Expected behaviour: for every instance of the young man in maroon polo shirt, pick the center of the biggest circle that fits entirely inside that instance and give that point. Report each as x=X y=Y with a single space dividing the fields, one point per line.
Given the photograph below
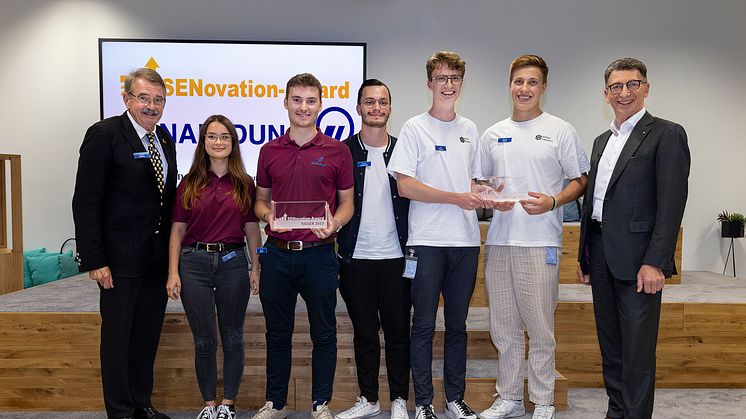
x=302 y=165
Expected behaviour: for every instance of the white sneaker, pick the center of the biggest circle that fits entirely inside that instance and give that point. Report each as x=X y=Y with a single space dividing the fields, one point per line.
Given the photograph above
x=361 y=409
x=425 y=411
x=543 y=412
x=502 y=409
x=458 y=409
x=399 y=409
x=207 y=413
x=322 y=412
x=268 y=412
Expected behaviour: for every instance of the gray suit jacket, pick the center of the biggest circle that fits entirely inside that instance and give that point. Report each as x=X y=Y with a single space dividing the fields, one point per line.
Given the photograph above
x=644 y=201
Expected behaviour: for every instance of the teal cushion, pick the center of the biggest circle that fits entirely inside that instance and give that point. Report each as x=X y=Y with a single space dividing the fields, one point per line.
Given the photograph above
x=45 y=267
x=26 y=271
x=68 y=266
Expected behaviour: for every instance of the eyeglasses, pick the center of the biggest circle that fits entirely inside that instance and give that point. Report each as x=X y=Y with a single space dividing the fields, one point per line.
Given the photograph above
x=145 y=99
x=442 y=80
x=632 y=85
x=370 y=102
x=212 y=138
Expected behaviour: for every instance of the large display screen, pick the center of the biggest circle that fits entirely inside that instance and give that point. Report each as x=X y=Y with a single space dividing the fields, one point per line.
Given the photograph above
x=244 y=81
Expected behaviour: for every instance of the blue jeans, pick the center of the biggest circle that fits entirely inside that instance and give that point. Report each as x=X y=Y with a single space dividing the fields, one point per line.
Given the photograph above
x=209 y=284
x=451 y=271
x=312 y=273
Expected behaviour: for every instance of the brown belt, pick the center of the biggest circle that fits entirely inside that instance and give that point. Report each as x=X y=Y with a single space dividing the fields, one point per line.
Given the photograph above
x=297 y=244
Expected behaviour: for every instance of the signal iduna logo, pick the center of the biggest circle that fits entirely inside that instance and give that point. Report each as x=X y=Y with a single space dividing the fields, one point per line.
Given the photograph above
x=336 y=122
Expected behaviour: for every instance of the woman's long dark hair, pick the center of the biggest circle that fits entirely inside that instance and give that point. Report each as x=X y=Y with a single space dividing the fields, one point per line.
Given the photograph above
x=196 y=179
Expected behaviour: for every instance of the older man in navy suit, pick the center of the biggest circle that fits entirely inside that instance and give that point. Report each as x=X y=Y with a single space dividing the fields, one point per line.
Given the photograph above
x=634 y=204
x=124 y=193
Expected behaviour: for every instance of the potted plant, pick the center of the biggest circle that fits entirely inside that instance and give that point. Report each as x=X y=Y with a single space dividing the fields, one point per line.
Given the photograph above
x=731 y=224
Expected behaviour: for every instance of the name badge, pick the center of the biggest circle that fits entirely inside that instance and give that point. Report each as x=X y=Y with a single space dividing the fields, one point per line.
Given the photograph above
x=229 y=256
x=260 y=250
x=363 y=164
x=440 y=148
x=551 y=255
x=141 y=155
x=504 y=139
x=410 y=265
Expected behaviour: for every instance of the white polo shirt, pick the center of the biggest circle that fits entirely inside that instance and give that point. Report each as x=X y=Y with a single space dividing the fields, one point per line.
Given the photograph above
x=445 y=156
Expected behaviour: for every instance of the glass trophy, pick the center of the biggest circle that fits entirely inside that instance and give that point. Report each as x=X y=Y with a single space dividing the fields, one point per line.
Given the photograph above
x=299 y=214
x=505 y=189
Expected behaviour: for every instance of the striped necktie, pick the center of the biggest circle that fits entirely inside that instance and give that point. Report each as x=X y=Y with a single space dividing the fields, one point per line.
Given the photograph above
x=155 y=160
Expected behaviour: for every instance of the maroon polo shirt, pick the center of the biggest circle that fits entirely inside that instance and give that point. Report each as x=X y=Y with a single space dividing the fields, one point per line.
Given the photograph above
x=313 y=172
x=214 y=218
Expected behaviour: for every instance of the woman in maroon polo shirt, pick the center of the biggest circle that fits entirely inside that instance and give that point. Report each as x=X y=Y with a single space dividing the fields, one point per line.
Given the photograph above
x=208 y=260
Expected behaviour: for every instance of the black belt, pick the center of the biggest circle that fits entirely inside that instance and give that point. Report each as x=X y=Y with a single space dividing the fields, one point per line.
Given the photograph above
x=297 y=244
x=596 y=226
x=217 y=247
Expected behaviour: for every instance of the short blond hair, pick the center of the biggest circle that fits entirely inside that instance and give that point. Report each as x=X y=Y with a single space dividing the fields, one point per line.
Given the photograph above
x=445 y=58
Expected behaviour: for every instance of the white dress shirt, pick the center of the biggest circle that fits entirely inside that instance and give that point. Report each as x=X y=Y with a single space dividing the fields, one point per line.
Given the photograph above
x=610 y=155
x=143 y=134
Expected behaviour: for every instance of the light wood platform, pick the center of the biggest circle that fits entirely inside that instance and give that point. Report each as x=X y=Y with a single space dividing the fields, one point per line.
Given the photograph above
x=52 y=358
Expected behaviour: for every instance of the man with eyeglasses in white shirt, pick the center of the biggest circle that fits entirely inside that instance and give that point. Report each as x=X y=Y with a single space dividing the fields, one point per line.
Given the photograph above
x=633 y=207
x=435 y=164
x=371 y=255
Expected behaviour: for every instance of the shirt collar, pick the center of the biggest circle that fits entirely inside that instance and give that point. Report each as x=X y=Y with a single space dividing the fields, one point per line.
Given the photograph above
x=627 y=125
x=318 y=139
x=141 y=132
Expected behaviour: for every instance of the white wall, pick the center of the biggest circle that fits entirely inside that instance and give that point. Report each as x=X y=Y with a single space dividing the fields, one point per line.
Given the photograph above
x=694 y=51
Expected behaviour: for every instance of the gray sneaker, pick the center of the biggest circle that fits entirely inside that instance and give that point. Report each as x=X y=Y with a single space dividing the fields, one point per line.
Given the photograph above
x=458 y=409
x=322 y=412
x=269 y=412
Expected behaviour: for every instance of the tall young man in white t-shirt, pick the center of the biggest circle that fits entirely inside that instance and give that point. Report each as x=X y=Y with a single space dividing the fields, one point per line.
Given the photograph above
x=435 y=164
x=371 y=255
x=523 y=243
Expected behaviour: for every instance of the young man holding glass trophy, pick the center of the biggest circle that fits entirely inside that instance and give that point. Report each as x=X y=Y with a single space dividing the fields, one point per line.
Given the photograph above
x=526 y=157
x=305 y=195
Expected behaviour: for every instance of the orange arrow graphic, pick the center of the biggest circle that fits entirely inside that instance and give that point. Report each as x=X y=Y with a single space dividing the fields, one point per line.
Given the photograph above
x=152 y=64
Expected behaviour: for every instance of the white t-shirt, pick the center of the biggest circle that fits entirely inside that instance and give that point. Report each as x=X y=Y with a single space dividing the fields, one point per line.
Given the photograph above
x=445 y=156
x=544 y=150
x=377 y=237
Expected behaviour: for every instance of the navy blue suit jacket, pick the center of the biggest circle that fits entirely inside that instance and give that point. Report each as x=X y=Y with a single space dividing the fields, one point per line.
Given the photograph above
x=117 y=208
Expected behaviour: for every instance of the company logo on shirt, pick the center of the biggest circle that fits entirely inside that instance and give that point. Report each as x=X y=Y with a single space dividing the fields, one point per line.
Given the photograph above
x=540 y=137
x=319 y=162
x=464 y=139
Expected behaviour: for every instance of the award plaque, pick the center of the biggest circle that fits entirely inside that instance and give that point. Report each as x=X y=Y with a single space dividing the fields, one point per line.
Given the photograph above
x=505 y=189
x=299 y=214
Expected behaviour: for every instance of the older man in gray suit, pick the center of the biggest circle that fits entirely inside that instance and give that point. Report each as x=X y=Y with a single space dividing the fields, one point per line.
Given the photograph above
x=634 y=204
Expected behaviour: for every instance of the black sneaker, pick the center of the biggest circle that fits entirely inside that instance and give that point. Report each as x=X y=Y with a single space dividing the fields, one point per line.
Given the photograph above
x=425 y=411
x=458 y=409
x=226 y=411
